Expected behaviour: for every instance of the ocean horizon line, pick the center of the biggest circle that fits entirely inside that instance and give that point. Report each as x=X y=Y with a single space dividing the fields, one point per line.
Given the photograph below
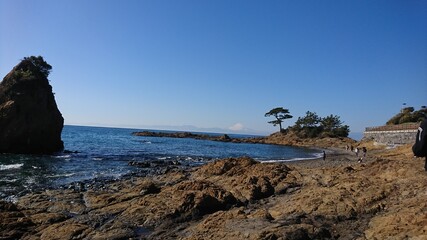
x=167 y=129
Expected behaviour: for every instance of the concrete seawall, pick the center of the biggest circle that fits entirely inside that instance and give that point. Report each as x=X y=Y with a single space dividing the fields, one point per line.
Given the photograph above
x=396 y=134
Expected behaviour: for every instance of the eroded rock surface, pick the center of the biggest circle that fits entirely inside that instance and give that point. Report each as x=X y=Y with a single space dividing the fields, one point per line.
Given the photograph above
x=237 y=198
x=30 y=121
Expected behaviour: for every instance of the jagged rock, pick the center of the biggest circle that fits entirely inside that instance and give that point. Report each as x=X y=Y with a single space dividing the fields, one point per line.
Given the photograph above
x=246 y=178
x=202 y=197
x=231 y=199
x=148 y=187
x=13 y=223
x=30 y=121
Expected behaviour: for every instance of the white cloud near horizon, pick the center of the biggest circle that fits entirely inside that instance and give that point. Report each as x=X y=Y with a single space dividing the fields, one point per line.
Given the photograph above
x=236 y=127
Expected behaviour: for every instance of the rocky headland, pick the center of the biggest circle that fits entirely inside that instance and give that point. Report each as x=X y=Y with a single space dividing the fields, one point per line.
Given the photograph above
x=199 y=136
x=287 y=139
x=384 y=197
x=30 y=121
x=222 y=138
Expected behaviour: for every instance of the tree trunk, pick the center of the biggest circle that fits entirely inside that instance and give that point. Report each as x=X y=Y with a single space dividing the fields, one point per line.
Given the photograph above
x=280 y=125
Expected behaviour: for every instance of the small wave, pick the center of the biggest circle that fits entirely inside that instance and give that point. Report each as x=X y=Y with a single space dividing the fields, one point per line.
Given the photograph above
x=11 y=166
x=63 y=156
x=61 y=175
x=97 y=158
x=11 y=198
x=315 y=156
x=29 y=180
x=9 y=180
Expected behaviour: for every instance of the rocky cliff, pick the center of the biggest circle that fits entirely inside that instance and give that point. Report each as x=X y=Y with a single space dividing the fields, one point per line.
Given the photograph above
x=30 y=121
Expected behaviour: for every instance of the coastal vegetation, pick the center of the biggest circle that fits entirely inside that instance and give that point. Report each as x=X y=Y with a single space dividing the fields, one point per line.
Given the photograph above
x=311 y=125
x=408 y=115
x=280 y=114
x=33 y=67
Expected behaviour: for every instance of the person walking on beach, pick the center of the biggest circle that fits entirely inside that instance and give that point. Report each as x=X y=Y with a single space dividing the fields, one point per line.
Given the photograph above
x=324 y=155
x=363 y=155
x=364 y=150
x=420 y=147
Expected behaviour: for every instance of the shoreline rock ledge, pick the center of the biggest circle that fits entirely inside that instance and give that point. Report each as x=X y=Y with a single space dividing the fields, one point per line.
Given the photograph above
x=30 y=121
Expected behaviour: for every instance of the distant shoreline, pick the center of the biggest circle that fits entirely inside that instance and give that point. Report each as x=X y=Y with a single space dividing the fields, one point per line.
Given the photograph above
x=210 y=137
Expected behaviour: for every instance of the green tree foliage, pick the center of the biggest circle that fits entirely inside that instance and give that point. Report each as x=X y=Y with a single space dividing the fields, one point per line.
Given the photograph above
x=331 y=122
x=40 y=64
x=408 y=115
x=311 y=125
x=333 y=127
x=310 y=120
x=33 y=67
x=308 y=126
x=280 y=114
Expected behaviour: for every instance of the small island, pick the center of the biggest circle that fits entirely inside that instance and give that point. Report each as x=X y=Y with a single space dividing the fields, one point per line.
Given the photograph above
x=221 y=138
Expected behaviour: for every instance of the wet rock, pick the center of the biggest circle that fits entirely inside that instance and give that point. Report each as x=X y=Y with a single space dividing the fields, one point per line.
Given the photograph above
x=140 y=164
x=222 y=138
x=154 y=164
x=68 y=151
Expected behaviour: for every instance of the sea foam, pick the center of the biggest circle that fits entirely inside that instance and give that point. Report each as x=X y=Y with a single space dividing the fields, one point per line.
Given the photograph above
x=10 y=166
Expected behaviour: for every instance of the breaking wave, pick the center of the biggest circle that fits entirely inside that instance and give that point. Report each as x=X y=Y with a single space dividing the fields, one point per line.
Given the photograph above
x=10 y=166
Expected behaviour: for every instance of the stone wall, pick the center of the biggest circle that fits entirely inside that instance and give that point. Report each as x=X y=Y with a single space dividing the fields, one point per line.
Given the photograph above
x=396 y=134
x=392 y=137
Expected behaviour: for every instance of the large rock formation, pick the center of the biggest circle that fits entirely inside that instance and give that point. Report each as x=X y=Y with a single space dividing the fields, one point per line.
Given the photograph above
x=30 y=121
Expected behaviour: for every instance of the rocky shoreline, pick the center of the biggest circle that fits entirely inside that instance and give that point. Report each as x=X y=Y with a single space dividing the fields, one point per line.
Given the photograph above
x=238 y=198
x=220 y=138
x=287 y=139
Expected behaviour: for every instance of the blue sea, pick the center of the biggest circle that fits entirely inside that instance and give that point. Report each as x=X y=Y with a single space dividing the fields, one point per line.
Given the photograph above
x=98 y=152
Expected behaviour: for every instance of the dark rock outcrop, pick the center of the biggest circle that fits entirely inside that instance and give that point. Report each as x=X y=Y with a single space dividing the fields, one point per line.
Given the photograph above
x=221 y=138
x=30 y=121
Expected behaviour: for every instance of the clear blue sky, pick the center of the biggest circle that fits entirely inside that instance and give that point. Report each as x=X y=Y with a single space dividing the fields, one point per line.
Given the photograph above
x=218 y=64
